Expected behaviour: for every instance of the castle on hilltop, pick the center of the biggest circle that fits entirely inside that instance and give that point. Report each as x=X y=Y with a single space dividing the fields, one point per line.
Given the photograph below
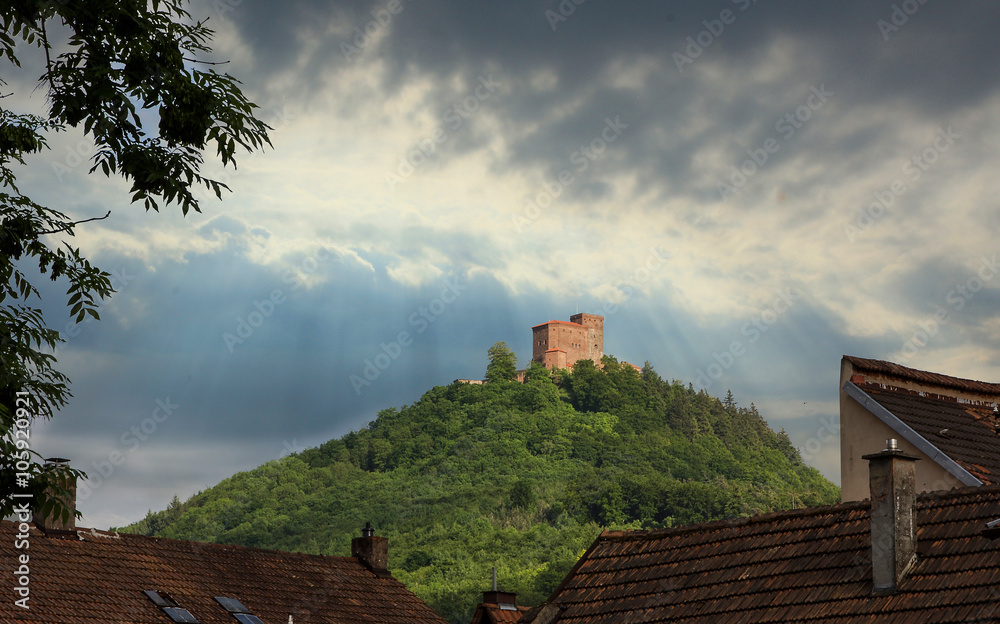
x=559 y=344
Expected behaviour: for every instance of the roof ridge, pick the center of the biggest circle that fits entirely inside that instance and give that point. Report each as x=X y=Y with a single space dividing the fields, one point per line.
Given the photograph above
x=88 y=532
x=928 y=377
x=733 y=522
x=924 y=500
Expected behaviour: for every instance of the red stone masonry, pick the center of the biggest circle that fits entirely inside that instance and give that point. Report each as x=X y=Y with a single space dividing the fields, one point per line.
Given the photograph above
x=560 y=344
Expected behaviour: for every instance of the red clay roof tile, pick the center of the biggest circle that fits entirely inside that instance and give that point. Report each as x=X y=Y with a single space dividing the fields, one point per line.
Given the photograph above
x=810 y=565
x=99 y=578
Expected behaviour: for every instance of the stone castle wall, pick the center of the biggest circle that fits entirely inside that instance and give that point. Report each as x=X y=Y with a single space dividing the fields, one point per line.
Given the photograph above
x=559 y=344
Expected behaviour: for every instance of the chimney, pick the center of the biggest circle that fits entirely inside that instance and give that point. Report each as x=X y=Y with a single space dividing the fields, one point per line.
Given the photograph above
x=372 y=551
x=892 y=479
x=63 y=488
x=506 y=601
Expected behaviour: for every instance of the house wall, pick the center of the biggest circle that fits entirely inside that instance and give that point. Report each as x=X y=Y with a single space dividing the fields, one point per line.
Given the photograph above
x=862 y=433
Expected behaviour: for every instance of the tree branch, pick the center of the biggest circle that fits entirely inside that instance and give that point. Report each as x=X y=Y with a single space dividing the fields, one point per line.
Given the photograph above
x=191 y=60
x=48 y=59
x=71 y=224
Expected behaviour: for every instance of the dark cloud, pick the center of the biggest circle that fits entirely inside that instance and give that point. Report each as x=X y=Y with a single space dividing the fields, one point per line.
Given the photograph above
x=288 y=377
x=931 y=66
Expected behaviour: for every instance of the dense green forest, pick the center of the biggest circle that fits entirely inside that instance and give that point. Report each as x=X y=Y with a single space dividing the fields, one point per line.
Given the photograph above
x=521 y=476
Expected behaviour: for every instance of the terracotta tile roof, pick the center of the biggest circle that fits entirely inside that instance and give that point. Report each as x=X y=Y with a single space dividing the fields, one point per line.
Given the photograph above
x=864 y=365
x=99 y=579
x=810 y=565
x=965 y=432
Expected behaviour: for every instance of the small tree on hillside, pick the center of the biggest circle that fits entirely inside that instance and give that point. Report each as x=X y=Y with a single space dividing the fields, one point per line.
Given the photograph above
x=536 y=371
x=730 y=401
x=503 y=363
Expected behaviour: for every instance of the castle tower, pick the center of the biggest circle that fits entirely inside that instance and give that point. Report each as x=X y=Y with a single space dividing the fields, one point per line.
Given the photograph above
x=559 y=344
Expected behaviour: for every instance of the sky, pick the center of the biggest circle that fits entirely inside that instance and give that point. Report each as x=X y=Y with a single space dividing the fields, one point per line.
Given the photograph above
x=745 y=190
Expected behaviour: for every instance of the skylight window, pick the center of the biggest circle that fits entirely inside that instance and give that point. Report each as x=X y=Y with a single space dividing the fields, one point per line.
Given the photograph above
x=240 y=612
x=231 y=604
x=169 y=606
x=160 y=599
x=180 y=615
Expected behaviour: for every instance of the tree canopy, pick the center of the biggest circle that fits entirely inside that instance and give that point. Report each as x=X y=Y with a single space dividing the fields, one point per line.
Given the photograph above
x=521 y=476
x=115 y=58
x=503 y=363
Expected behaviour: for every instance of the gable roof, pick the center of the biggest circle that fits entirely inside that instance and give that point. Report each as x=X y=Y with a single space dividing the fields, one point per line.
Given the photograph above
x=966 y=433
x=99 y=577
x=809 y=565
x=900 y=372
x=953 y=417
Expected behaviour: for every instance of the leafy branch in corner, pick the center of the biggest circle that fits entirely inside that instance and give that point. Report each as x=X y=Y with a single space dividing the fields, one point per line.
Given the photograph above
x=118 y=57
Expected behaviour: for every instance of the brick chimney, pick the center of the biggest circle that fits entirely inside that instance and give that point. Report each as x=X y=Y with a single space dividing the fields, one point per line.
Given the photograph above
x=372 y=551
x=506 y=601
x=892 y=479
x=49 y=523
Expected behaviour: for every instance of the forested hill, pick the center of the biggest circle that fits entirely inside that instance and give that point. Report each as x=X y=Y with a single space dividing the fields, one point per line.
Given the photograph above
x=518 y=476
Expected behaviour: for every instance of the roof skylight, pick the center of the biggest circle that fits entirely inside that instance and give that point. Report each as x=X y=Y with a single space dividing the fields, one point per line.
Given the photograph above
x=169 y=606
x=239 y=611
